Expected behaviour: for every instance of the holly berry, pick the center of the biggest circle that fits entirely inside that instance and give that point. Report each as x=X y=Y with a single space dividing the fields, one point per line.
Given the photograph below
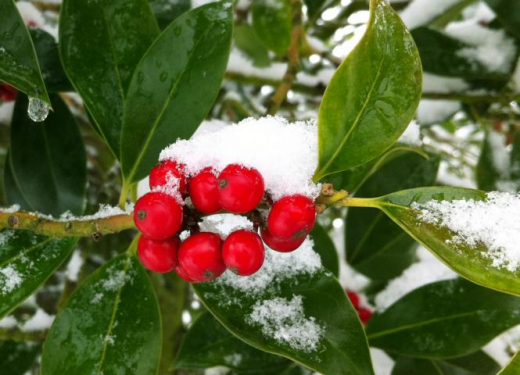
x=364 y=314
x=291 y=217
x=158 y=215
x=243 y=252
x=7 y=93
x=204 y=192
x=201 y=257
x=162 y=172
x=240 y=188
x=158 y=256
x=354 y=298
x=278 y=244
x=183 y=274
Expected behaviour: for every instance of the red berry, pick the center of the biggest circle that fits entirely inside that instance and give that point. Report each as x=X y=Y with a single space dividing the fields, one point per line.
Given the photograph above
x=240 y=188
x=280 y=245
x=158 y=256
x=162 y=172
x=364 y=315
x=204 y=192
x=158 y=215
x=201 y=257
x=183 y=274
x=7 y=93
x=354 y=298
x=292 y=217
x=243 y=252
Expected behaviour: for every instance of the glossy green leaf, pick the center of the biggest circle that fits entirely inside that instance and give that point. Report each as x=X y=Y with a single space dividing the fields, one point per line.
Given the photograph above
x=48 y=159
x=175 y=85
x=372 y=97
x=317 y=303
x=508 y=13
x=477 y=363
x=272 y=22
x=101 y=43
x=209 y=344
x=375 y=245
x=248 y=42
x=50 y=64
x=26 y=262
x=513 y=367
x=469 y=262
x=313 y=6
x=325 y=247
x=110 y=325
x=166 y=11
x=18 y=62
x=13 y=193
x=17 y=358
x=450 y=318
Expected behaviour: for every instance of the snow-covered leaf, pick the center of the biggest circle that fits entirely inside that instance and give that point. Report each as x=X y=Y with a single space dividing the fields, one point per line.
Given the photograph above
x=372 y=97
x=272 y=22
x=26 y=262
x=18 y=62
x=48 y=160
x=101 y=43
x=110 y=325
x=209 y=344
x=446 y=319
x=325 y=247
x=473 y=261
x=376 y=246
x=295 y=308
x=175 y=85
x=508 y=13
x=17 y=358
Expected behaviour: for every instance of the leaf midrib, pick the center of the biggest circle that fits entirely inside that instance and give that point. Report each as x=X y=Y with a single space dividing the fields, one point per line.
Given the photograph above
x=25 y=252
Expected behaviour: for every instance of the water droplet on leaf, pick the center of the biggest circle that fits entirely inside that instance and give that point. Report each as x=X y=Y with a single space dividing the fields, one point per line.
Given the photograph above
x=37 y=110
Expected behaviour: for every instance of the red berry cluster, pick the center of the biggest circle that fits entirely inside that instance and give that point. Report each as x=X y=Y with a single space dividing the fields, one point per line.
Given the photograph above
x=364 y=313
x=7 y=93
x=203 y=256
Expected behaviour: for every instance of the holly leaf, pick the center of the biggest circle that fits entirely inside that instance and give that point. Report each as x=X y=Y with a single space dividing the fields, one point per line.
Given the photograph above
x=209 y=344
x=372 y=97
x=513 y=367
x=101 y=43
x=18 y=62
x=110 y=325
x=325 y=247
x=248 y=42
x=508 y=13
x=26 y=262
x=166 y=11
x=17 y=358
x=446 y=319
x=165 y=101
x=292 y=307
x=48 y=160
x=272 y=22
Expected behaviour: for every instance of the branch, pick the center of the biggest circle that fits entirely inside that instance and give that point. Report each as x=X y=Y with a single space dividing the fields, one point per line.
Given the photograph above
x=73 y=228
x=293 y=55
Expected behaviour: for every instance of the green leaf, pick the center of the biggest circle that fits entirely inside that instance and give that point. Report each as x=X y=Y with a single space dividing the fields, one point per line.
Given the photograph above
x=17 y=358
x=450 y=318
x=469 y=262
x=372 y=97
x=325 y=247
x=26 y=262
x=13 y=192
x=320 y=328
x=48 y=159
x=101 y=43
x=272 y=22
x=478 y=363
x=313 y=6
x=508 y=13
x=375 y=245
x=166 y=11
x=248 y=42
x=175 y=85
x=513 y=367
x=18 y=63
x=50 y=63
x=110 y=325
x=208 y=344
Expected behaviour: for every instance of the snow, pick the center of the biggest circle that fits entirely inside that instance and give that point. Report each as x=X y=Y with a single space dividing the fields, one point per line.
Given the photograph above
x=6 y=236
x=74 y=266
x=30 y=14
x=233 y=360
x=10 y=210
x=40 y=321
x=116 y=281
x=285 y=321
x=443 y=85
x=382 y=363
x=493 y=223
x=287 y=164
x=224 y=224
x=422 y=12
x=9 y=322
x=10 y=278
x=427 y=270
x=104 y=211
x=435 y=111
x=6 y=111
x=412 y=135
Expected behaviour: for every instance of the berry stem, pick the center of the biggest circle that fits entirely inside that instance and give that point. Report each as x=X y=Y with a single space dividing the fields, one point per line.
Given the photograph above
x=57 y=228
x=125 y=189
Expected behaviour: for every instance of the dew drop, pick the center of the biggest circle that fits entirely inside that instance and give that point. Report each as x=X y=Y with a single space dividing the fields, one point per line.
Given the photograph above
x=37 y=110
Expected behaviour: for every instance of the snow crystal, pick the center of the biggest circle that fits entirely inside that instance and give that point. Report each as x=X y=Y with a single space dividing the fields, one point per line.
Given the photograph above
x=104 y=211
x=233 y=360
x=6 y=236
x=412 y=135
x=116 y=281
x=9 y=279
x=277 y=267
x=74 y=266
x=435 y=111
x=40 y=321
x=286 y=323
x=224 y=224
x=284 y=153
x=421 y=12
x=10 y=210
x=493 y=223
